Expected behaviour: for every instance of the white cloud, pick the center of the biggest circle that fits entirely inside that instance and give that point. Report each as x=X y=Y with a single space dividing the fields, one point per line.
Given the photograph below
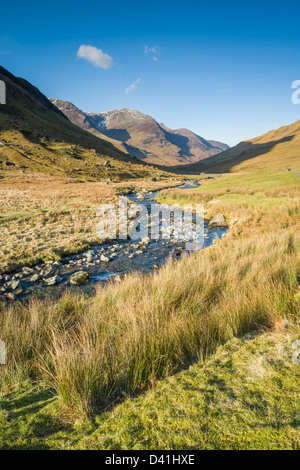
x=133 y=86
x=151 y=49
x=95 y=56
x=155 y=59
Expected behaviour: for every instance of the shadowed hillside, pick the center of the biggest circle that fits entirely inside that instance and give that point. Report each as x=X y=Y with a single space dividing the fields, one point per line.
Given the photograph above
x=272 y=151
x=192 y=144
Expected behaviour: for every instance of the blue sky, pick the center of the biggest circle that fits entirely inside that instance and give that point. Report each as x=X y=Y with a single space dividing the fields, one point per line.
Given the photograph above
x=221 y=69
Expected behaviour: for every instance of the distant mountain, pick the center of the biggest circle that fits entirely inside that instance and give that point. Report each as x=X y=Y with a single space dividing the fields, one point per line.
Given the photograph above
x=36 y=137
x=276 y=150
x=219 y=145
x=193 y=144
x=141 y=136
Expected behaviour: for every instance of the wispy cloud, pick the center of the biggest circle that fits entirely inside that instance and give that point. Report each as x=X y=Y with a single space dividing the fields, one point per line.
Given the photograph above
x=95 y=56
x=133 y=86
x=152 y=50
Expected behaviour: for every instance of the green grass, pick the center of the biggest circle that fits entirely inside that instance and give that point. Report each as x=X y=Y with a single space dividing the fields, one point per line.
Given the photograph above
x=245 y=396
x=250 y=183
x=257 y=181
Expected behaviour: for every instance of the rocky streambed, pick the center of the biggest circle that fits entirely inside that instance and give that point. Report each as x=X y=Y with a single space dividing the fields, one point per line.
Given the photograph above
x=100 y=264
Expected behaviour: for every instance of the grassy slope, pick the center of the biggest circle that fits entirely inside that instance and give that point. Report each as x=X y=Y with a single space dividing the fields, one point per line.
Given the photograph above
x=269 y=152
x=244 y=397
x=244 y=198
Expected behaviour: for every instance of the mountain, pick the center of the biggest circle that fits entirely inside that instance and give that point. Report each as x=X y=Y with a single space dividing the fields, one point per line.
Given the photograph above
x=277 y=149
x=193 y=144
x=80 y=119
x=219 y=145
x=141 y=136
x=36 y=137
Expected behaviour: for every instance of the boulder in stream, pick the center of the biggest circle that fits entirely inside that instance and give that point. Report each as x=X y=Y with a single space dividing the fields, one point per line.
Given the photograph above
x=35 y=278
x=48 y=271
x=218 y=221
x=14 y=284
x=52 y=281
x=78 y=278
x=27 y=270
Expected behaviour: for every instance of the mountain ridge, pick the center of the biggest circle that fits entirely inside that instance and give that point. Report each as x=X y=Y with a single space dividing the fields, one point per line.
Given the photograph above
x=142 y=136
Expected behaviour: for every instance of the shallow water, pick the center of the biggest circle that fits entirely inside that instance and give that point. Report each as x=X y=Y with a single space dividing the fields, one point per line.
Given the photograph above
x=125 y=256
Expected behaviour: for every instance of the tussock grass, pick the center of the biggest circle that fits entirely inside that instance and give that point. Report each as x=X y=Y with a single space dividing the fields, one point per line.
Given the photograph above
x=130 y=335
x=243 y=397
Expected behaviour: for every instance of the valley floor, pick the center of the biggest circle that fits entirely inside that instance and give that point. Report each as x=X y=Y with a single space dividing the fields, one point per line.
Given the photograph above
x=195 y=356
